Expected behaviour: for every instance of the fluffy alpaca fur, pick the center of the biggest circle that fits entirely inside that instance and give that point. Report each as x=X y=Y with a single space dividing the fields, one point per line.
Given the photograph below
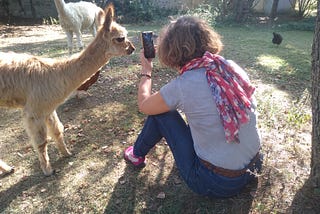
x=75 y=17
x=39 y=85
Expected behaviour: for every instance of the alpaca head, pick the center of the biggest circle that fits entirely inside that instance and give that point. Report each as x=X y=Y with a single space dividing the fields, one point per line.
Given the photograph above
x=114 y=36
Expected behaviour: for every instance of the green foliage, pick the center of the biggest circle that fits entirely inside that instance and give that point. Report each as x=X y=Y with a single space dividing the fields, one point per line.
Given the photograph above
x=304 y=7
x=297 y=115
x=306 y=24
x=50 y=21
x=214 y=11
x=269 y=110
x=138 y=11
x=204 y=11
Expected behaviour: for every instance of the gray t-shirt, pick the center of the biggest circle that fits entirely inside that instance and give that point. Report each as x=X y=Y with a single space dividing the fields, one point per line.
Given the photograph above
x=191 y=94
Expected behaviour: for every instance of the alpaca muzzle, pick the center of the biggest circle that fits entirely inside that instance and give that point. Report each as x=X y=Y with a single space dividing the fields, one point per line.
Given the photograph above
x=130 y=49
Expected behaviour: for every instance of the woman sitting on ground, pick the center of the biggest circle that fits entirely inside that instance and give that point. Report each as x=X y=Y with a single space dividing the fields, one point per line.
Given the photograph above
x=217 y=149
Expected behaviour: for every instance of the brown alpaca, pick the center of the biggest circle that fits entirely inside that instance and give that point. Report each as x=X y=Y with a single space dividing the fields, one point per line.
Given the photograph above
x=39 y=85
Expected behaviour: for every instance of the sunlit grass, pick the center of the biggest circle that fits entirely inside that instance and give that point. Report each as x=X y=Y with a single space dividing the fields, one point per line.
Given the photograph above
x=271 y=62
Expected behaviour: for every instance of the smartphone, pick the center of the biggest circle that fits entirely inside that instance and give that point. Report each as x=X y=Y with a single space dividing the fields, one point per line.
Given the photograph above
x=147 y=43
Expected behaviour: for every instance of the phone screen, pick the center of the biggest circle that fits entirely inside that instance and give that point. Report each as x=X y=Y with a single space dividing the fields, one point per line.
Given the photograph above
x=148 y=46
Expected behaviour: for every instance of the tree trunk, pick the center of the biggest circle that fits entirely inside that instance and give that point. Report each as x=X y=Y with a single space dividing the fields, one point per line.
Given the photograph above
x=240 y=9
x=224 y=8
x=21 y=7
x=315 y=93
x=33 y=10
x=5 y=5
x=274 y=9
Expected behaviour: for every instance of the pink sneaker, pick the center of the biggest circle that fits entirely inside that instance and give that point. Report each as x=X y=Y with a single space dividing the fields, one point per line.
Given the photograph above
x=136 y=161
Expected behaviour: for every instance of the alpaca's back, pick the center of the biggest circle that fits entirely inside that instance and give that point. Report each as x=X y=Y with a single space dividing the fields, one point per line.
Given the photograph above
x=75 y=17
x=79 y=16
x=22 y=75
x=13 y=75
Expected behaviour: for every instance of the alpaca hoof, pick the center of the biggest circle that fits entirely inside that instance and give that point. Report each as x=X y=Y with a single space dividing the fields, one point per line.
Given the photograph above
x=11 y=171
x=67 y=153
x=6 y=172
x=5 y=169
x=48 y=171
x=52 y=173
x=49 y=174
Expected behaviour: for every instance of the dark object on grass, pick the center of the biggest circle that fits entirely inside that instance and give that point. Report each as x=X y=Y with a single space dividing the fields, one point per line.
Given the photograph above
x=277 y=38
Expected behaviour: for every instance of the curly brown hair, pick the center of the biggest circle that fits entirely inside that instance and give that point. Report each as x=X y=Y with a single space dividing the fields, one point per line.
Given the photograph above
x=185 y=39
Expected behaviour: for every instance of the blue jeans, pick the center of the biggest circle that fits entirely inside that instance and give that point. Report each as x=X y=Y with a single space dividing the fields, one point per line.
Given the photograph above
x=177 y=133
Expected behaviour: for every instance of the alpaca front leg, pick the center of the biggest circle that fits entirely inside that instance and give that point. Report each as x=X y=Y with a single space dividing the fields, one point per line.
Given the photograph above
x=69 y=40
x=79 y=40
x=56 y=129
x=37 y=131
x=94 y=30
x=42 y=150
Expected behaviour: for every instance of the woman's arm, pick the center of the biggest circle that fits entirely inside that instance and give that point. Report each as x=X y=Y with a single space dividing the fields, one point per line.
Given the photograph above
x=149 y=103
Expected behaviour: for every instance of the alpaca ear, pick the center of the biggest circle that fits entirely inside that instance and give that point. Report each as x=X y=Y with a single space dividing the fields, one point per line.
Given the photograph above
x=109 y=17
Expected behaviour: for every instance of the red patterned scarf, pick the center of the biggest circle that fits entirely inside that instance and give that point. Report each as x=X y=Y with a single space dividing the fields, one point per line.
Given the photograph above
x=231 y=92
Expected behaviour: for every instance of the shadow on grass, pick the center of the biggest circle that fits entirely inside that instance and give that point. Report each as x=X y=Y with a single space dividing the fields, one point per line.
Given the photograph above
x=12 y=193
x=134 y=193
x=29 y=186
x=306 y=200
x=125 y=193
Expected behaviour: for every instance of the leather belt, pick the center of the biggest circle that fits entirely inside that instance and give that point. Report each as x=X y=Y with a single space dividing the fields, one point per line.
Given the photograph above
x=228 y=172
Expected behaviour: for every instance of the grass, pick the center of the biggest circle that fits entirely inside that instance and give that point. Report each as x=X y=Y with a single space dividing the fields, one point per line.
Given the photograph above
x=98 y=127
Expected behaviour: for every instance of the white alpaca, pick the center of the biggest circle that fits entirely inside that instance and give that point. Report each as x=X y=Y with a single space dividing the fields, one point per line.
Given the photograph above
x=39 y=85
x=75 y=17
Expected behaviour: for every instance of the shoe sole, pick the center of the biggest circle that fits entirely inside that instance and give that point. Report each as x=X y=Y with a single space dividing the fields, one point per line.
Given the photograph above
x=141 y=165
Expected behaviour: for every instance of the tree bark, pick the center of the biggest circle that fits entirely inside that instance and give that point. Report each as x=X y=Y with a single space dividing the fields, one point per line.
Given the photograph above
x=21 y=7
x=33 y=10
x=274 y=9
x=5 y=5
x=315 y=157
x=240 y=9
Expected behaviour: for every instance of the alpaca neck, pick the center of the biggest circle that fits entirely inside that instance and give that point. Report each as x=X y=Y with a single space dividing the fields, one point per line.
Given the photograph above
x=87 y=64
x=61 y=7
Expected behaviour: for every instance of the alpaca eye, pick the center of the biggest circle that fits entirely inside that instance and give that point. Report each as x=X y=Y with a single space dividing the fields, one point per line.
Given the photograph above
x=121 y=39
